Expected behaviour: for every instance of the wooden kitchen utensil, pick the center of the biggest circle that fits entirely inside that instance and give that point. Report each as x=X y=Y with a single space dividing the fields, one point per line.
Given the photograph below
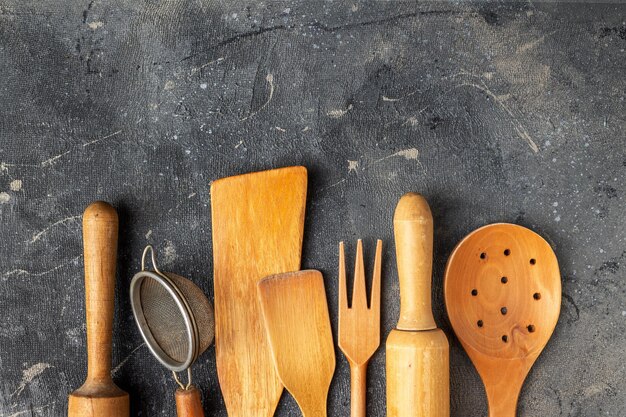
x=99 y=396
x=418 y=369
x=258 y=224
x=359 y=325
x=296 y=319
x=503 y=295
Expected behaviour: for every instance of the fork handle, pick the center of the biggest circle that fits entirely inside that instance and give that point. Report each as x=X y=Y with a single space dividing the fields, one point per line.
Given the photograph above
x=358 y=389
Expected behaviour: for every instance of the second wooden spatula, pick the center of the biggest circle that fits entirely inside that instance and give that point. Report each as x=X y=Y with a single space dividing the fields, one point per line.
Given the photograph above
x=298 y=328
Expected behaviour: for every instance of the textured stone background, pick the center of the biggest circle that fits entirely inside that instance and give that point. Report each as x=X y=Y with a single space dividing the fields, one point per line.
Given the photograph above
x=495 y=111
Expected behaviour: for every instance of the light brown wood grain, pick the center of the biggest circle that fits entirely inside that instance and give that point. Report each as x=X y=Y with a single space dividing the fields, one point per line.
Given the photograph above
x=418 y=374
x=296 y=318
x=418 y=370
x=188 y=403
x=258 y=223
x=359 y=325
x=99 y=396
x=502 y=288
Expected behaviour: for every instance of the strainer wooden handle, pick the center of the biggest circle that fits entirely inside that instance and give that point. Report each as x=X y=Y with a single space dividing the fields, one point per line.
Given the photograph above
x=188 y=402
x=413 y=230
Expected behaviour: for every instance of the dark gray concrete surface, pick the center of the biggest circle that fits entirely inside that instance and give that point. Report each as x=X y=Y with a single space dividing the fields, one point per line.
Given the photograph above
x=494 y=111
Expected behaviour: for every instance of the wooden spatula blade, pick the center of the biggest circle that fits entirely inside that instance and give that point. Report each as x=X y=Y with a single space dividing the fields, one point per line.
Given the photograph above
x=298 y=328
x=258 y=224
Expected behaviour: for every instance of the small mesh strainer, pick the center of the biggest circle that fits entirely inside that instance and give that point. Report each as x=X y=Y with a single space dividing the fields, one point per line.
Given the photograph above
x=174 y=317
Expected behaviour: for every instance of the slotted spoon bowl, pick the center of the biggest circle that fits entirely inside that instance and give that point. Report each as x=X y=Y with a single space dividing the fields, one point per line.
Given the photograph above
x=502 y=289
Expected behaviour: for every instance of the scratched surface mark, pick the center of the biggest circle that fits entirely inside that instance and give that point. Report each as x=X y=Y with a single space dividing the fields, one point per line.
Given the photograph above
x=495 y=111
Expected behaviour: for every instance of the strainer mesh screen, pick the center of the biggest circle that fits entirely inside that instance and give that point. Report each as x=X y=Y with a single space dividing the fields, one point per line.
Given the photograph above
x=165 y=321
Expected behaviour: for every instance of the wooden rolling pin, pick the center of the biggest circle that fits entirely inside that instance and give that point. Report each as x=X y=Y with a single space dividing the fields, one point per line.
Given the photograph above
x=99 y=396
x=418 y=369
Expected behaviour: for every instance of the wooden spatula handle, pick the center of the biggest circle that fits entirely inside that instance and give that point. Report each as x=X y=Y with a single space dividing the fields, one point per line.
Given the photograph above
x=100 y=228
x=413 y=229
x=188 y=403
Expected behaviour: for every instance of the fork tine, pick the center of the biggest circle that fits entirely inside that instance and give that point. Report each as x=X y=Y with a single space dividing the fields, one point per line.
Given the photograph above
x=343 y=296
x=375 y=301
x=359 y=296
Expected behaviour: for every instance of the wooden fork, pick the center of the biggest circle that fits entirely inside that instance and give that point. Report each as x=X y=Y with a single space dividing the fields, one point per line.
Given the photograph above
x=359 y=325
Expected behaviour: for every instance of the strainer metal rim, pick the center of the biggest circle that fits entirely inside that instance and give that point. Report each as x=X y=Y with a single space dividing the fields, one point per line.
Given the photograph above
x=144 y=328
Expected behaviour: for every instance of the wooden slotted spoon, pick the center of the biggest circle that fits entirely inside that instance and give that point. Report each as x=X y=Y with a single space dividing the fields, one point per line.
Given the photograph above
x=503 y=296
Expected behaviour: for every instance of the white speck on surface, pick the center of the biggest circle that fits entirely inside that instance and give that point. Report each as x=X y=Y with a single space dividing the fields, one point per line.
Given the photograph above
x=39 y=234
x=557 y=219
x=336 y=114
x=169 y=252
x=19 y=272
x=29 y=411
x=624 y=313
x=555 y=204
x=270 y=80
x=4 y=198
x=123 y=362
x=521 y=131
x=95 y=25
x=29 y=374
x=169 y=85
x=203 y=86
x=280 y=129
x=148 y=234
x=553 y=159
x=410 y=153
x=412 y=121
x=16 y=185
x=353 y=166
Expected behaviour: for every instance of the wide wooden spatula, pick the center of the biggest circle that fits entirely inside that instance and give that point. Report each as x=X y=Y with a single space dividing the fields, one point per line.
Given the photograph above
x=298 y=329
x=503 y=295
x=258 y=224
